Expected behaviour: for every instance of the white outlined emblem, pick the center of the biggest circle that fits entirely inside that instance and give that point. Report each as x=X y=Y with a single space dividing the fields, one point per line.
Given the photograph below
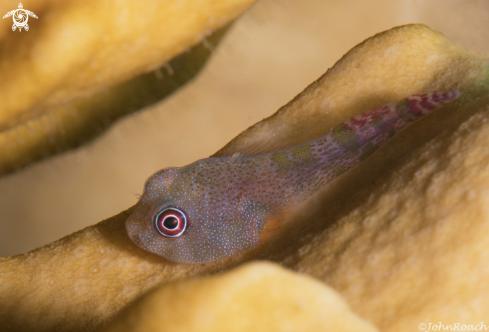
x=20 y=17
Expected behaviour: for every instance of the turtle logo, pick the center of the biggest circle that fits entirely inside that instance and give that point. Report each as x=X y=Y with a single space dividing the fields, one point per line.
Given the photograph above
x=20 y=17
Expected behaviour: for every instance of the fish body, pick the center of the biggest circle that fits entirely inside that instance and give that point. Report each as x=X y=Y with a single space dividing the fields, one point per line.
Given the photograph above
x=223 y=206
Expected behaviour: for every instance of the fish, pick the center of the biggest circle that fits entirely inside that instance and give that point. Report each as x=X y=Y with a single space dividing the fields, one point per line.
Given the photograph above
x=220 y=207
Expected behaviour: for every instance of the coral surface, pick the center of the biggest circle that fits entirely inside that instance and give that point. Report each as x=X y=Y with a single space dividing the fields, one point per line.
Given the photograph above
x=402 y=237
x=235 y=301
x=84 y=64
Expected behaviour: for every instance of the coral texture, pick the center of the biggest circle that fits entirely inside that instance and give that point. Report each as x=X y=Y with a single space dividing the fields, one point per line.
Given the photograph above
x=235 y=301
x=402 y=237
x=81 y=66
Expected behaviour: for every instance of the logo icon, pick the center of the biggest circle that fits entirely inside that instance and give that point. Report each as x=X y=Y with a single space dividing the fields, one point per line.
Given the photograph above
x=20 y=17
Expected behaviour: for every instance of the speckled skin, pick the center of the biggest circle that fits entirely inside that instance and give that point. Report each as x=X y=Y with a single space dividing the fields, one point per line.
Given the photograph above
x=235 y=203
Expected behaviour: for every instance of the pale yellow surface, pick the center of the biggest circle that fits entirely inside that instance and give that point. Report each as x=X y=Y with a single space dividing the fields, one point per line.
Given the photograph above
x=273 y=51
x=255 y=297
x=402 y=237
x=52 y=73
x=77 y=47
x=383 y=69
x=68 y=125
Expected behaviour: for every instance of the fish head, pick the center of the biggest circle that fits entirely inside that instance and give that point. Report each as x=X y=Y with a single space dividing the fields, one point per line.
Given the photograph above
x=197 y=214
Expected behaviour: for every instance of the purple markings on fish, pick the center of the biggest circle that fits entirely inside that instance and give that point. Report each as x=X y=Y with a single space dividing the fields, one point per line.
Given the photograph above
x=223 y=206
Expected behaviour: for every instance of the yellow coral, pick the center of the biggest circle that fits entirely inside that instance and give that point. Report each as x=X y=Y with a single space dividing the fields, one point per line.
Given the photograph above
x=256 y=297
x=402 y=237
x=75 y=69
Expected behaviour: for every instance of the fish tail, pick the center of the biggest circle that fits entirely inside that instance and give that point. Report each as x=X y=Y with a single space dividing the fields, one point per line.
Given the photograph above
x=378 y=125
x=355 y=139
x=425 y=103
x=304 y=169
x=358 y=137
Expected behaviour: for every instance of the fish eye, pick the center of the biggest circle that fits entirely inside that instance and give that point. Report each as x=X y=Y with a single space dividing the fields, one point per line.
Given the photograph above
x=171 y=222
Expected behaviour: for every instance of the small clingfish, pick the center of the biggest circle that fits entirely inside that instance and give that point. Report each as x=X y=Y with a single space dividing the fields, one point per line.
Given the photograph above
x=223 y=206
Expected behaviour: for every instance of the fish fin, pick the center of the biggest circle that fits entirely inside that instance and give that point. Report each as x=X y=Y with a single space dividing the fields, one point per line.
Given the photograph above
x=254 y=148
x=263 y=147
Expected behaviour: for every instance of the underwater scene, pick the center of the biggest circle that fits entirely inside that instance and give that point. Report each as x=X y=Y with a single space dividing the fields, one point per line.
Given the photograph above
x=244 y=165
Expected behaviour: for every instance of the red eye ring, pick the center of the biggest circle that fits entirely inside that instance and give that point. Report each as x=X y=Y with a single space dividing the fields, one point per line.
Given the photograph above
x=171 y=222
